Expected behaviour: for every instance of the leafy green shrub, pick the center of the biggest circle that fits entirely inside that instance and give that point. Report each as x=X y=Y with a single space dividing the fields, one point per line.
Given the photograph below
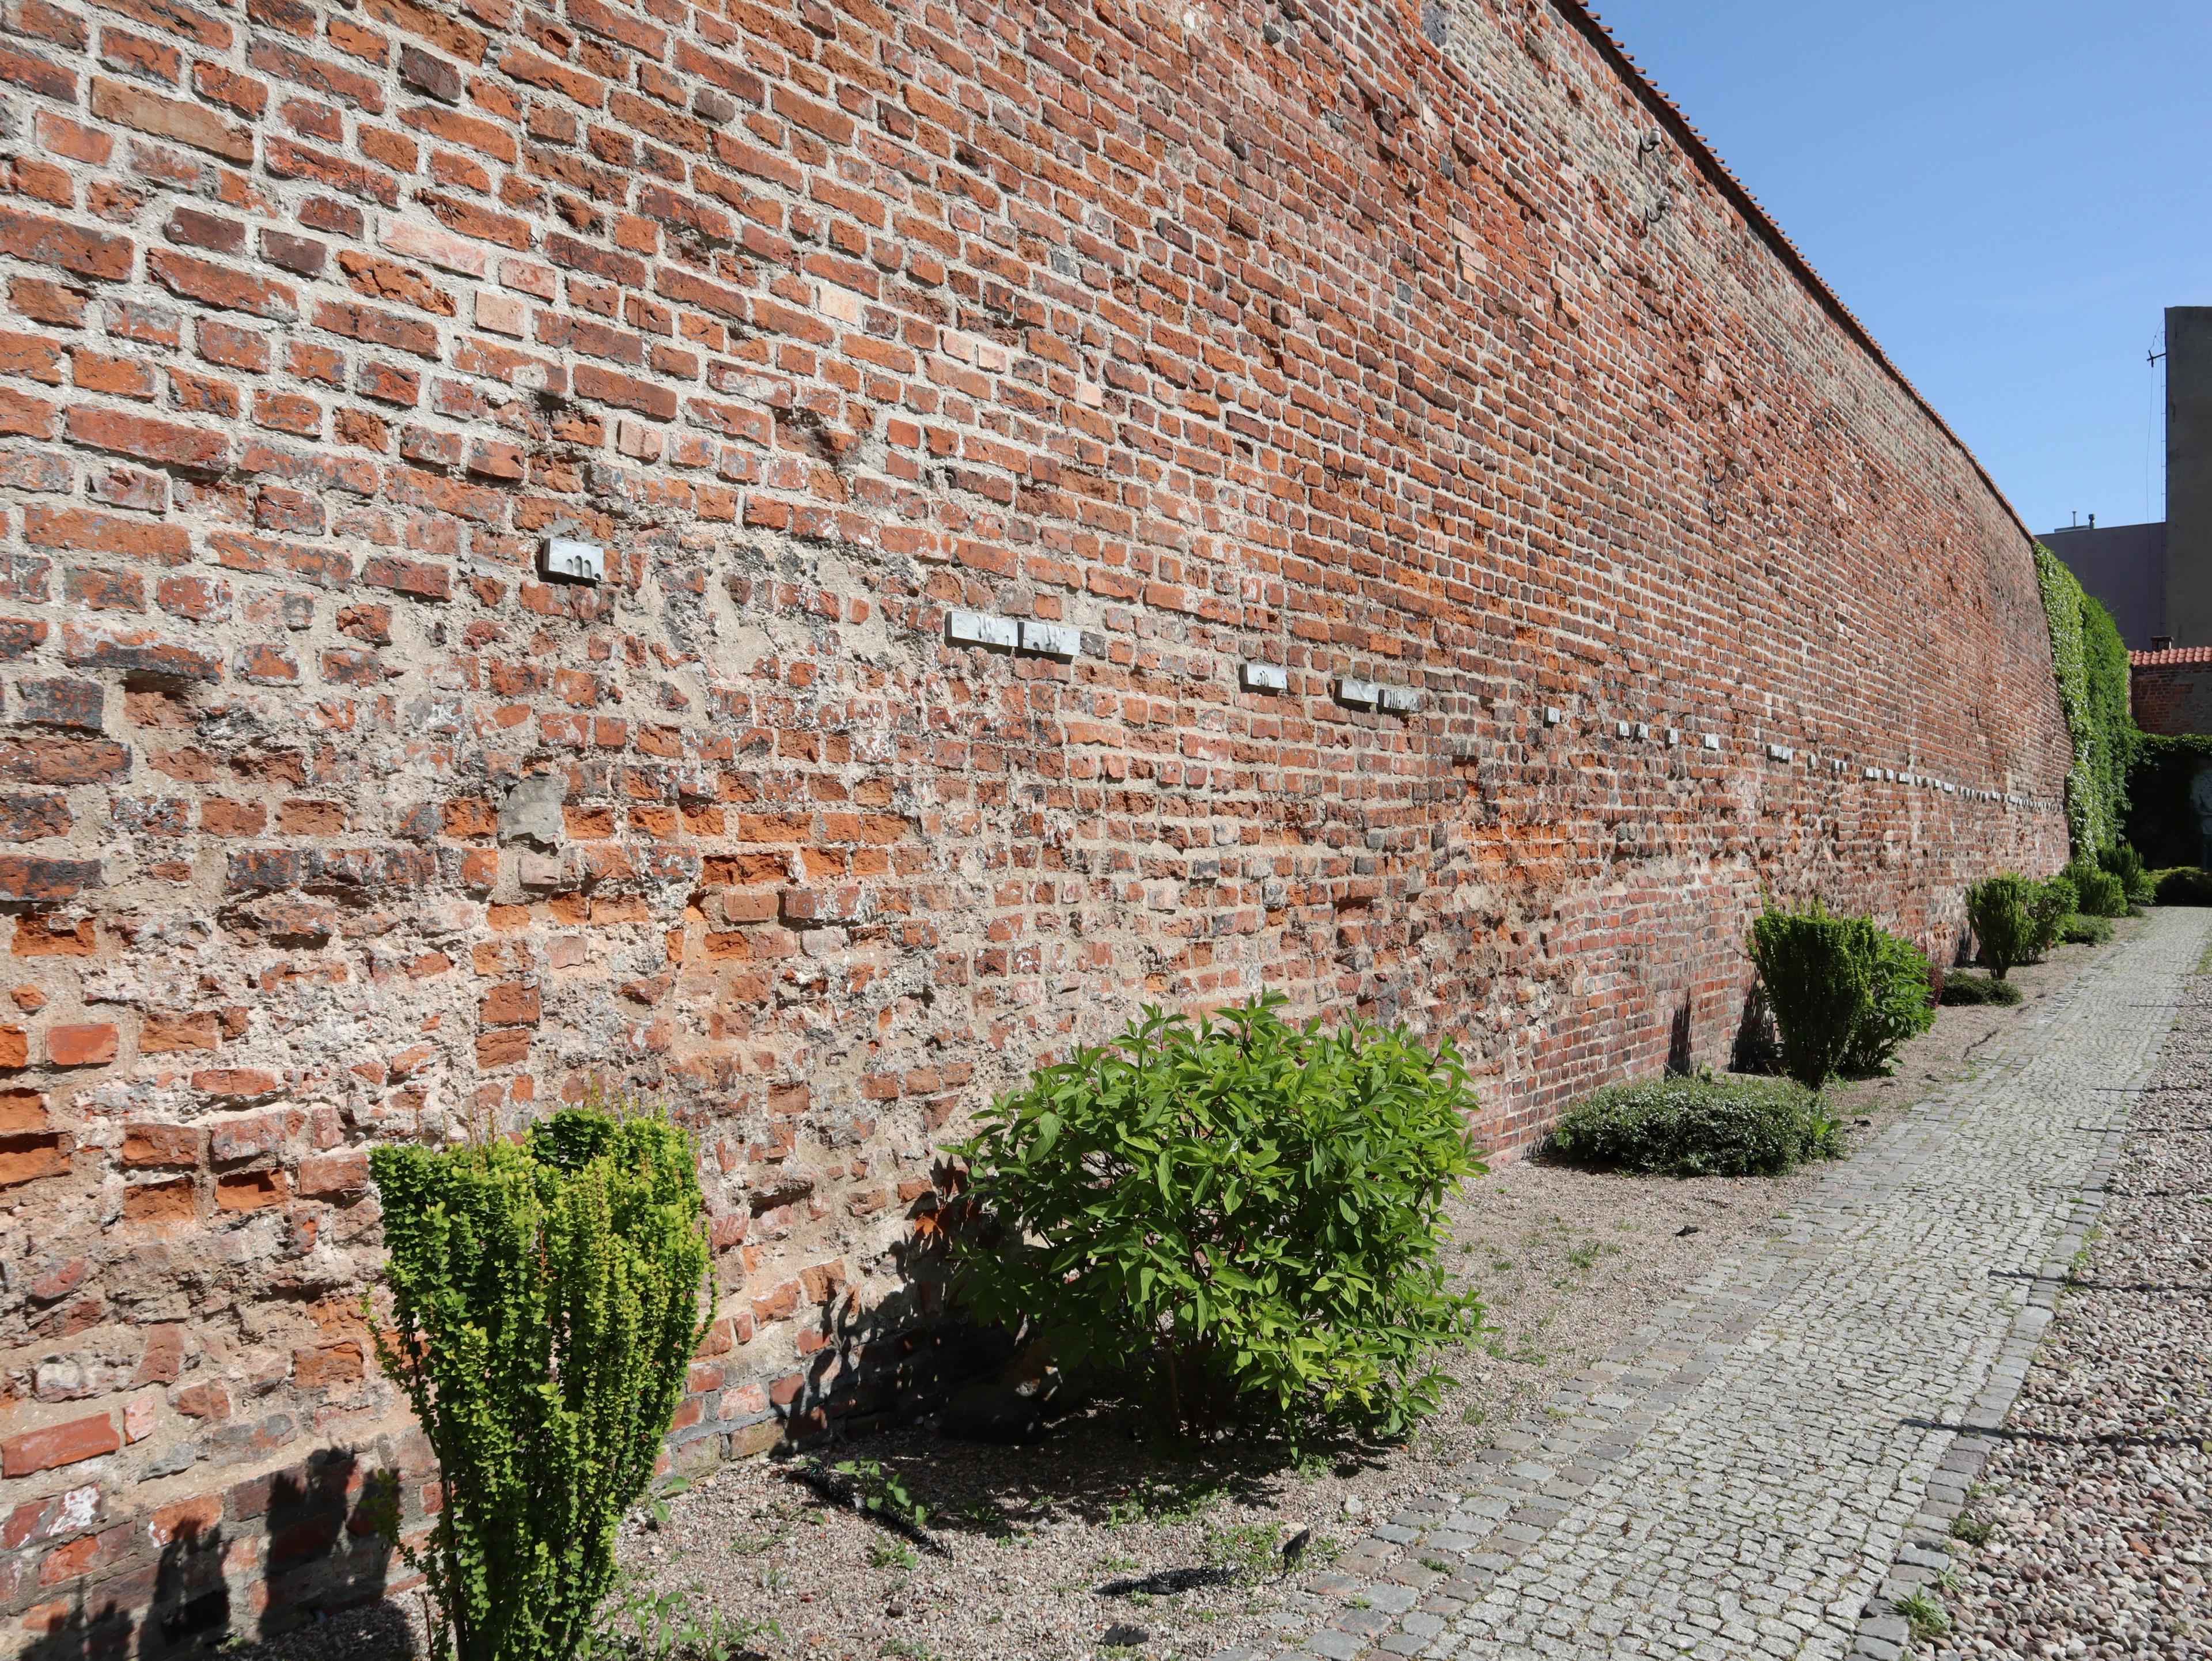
x=2122 y=862
x=2182 y=885
x=545 y=1304
x=2083 y=930
x=1898 y=1006
x=1698 y=1127
x=1814 y=968
x=1249 y=1210
x=2097 y=892
x=2053 y=902
x=1979 y=989
x=2002 y=911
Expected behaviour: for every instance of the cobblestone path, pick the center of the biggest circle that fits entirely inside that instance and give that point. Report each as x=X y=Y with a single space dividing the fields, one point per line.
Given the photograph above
x=1740 y=1477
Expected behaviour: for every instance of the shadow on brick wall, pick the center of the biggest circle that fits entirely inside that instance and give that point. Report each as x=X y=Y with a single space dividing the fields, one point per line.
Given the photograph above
x=321 y=1558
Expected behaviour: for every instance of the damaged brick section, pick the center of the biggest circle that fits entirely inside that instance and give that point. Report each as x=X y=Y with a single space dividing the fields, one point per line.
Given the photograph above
x=1455 y=373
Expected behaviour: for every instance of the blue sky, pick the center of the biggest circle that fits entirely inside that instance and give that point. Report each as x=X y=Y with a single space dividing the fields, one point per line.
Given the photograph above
x=2008 y=195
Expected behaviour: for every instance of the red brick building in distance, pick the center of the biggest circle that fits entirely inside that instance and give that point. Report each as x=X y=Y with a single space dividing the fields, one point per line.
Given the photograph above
x=1098 y=504
x=2170 y=690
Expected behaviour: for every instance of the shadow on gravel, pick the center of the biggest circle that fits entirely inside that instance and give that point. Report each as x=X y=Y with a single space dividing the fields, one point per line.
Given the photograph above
x=2067 y=1282
x=2100 y=1439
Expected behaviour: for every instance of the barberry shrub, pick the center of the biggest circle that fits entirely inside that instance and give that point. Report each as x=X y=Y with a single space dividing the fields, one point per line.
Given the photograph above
x=1815 y=969
x=545 y=1302
x=1244 y=1212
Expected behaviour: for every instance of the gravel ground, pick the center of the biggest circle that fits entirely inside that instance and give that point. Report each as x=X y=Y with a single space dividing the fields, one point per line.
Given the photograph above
x=2099 y=1539
x=1567 y=1263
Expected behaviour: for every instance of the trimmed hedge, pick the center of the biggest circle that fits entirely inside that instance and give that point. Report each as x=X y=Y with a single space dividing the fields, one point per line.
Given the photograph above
x=1979 y=989
x=1698 y=1127
x=2184 y=884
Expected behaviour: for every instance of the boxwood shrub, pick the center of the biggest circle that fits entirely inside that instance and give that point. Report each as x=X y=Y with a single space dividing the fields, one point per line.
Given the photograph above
x=1705 y=1126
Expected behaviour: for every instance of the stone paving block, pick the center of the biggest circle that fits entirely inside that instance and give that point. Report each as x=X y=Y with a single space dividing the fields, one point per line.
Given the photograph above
x=1785 y=1439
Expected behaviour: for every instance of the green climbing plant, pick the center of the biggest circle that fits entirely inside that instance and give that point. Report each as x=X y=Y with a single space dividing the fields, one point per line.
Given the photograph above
x=2091 y=665
x=545 y=1301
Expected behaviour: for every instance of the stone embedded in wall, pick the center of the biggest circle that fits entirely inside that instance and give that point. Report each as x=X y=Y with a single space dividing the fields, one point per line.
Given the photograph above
x=994 y=493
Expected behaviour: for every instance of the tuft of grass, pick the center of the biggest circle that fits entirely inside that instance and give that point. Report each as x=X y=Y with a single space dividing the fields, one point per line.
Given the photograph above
x=890 y=1555
x=1924 y=1615
x=1247 y=1546
x=1974 y=1530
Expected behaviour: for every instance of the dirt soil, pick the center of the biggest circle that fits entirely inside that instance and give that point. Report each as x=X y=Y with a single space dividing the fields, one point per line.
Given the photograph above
x=1567 y=1263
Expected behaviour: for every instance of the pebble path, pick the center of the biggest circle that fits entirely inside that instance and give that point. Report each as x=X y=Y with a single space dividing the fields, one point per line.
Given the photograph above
x=1773 y=1462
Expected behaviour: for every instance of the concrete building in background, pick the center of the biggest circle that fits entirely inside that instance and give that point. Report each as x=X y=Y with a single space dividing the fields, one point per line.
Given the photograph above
x=2123 y=567
x=2156 y=580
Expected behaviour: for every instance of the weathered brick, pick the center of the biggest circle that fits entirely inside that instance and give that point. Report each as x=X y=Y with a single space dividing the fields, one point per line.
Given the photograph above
x=147 y=439
x=50 y=242
x=136 y=650
x=210 y=284
x=69 y=1442
x=90 y=1043
x=170 y=118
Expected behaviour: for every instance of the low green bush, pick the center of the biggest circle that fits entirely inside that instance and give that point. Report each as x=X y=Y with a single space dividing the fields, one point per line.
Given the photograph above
x=546 y=1299
x=2181 y=885
x=1814 y=967
x=2053 y=902
x=1964 y=988
x=1898 y=1008
x=2015 y=918
x=2097 y=892
x=2083 y=930
x=2122 y=862
x=1698 y=1127
x=1248 y=1212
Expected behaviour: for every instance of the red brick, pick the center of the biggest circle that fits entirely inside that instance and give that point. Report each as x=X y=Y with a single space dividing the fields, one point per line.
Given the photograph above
x=169 y=118
x=191 y=278
x=155 y=1145
x=91 y=1044
x=334 y=1175
x=66 y=1444
x=105 y=533
x=147 y=439
x=50 y=242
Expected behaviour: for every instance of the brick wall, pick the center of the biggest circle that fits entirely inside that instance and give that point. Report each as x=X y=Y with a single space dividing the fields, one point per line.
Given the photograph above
x=1221 y=335
x=2171 y=691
